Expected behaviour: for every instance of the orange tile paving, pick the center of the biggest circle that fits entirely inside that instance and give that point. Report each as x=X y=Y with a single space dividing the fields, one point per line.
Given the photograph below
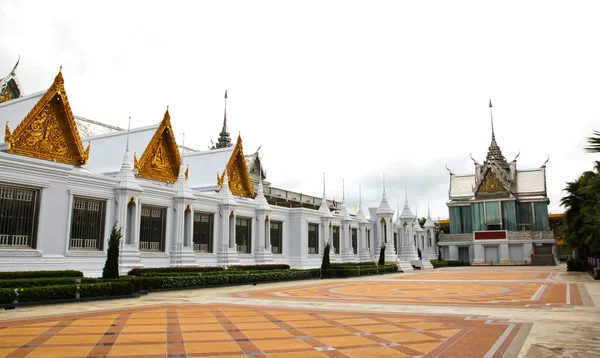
x=482 y=276
x=233 y=331
x=498 y=294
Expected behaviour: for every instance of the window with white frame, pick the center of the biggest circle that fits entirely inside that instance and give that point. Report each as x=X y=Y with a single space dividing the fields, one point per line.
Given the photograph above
x=336 y=239
x=313 y=238
x=18 y=216
x=152 y=228
x=243 y=230
x=87 y=224
x=203 y=232
x=276 y=237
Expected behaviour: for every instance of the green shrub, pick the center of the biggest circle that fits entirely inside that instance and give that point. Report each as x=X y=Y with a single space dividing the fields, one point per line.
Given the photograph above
x=7 y=295
x=382 y=255
x=326 y=264
x=439 y=263
x=576 y=265
x=153 y=283
x=111 y=267
x=122 y=288
x=353 y=271
x=11 y=275
x=46 y=293
x=266 y=267
x=44 y=281
x=145 y=271
x=94 y=290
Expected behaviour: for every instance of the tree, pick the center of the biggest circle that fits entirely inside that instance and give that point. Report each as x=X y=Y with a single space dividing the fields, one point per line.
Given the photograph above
x=581 y=225
x=381 y=255
x=111 y=268
x=594 y=143
x=326 y=265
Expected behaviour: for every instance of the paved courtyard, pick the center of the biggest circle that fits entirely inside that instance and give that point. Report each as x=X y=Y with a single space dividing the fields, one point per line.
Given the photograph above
x=451 y=312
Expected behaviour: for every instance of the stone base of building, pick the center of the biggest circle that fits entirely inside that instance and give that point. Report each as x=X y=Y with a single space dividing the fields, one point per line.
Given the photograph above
x=228 y=258
x=390 y=253
x=365 y=256
x=422 y=264
x=129 y=260
x=183 y=258
x=264 y=257
x=405 y=266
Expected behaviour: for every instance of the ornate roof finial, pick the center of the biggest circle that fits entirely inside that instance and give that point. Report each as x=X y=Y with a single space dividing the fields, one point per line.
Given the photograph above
x=406 y=193
x=492 y=120
x=182 y=147
x=359 y=195
x=13 y=72
x=343 y=192
x=128 y=131
x=383 y=183
x=224 y=139
x=323 y=184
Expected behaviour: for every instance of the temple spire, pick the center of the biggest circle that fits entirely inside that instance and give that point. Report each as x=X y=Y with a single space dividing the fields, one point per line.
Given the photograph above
x=406 y=193
x=128 y=131
x=343 y=192
x=492 y=120
x=359 y=195
x=384 y=184
x=224 y=139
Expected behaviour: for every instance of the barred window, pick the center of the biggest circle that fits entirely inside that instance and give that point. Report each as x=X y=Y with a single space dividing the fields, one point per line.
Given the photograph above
x=87 y=224
x=276 y=237
x=18 y=216
x=336 y=239
x=152 y=228
x=355 y=241
x=203 y=232
x=313 y=238
x=243 y=227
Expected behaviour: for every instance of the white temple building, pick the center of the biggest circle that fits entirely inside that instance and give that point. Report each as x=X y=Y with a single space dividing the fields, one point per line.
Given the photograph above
x=66 y=180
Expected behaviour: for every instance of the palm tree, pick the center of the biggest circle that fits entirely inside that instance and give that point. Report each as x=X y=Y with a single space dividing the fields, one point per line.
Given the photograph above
x=594 y=143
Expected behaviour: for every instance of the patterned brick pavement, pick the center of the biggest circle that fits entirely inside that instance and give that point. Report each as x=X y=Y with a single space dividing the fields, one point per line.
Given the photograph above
x=233 y=331
x=498 y=294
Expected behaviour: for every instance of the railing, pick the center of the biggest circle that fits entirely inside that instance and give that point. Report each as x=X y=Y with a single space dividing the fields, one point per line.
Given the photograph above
x=149 y=246
x=201 y=247
x=14 y=240
x=84 y=244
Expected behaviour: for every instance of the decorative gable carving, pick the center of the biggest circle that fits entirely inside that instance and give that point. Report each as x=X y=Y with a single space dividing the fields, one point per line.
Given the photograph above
x=49 y=130
x=237 y=173
x=161 y=160
x=491 y=184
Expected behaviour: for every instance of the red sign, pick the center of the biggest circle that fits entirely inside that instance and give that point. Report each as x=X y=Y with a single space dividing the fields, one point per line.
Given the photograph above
x=490 y=235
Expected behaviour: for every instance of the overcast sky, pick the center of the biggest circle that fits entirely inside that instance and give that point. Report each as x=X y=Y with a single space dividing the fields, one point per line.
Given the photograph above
x=353 y=89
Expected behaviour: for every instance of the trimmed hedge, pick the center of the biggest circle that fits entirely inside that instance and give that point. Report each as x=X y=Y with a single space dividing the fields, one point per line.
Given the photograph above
x=191 y=269
x=357 y=270
x=65 y=292
x=346 y=264
x=155 y=283
x=576 y=265
x=146 y=271
x=449 y=263
x=45 y=281
x=11 y=275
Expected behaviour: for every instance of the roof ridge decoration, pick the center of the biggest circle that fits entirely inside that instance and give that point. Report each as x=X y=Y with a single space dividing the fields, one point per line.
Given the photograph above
x=49 y=130
x=495 y=163
x=237 y=172
x=10 y=88
x=161 y=160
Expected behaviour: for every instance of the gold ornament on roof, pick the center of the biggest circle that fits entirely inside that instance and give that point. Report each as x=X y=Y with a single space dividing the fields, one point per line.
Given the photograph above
x=161 y=160
x=237 y=173
x=5 y=96
x=491 y=184
x=49 y=130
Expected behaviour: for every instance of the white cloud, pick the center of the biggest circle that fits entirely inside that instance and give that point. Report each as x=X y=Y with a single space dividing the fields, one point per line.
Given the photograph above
x=350 y=88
